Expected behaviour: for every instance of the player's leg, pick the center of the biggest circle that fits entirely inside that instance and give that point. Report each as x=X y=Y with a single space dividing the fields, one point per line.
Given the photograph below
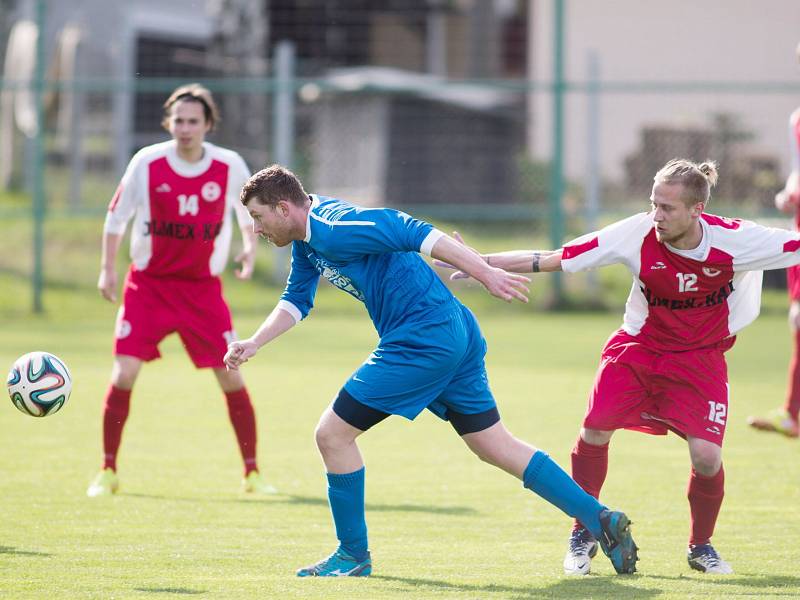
x=540 y=474
x=243 y=419
x=705 y=491
x=785 y=420
x=115 y=413
x=589 y=459
x=336 y=434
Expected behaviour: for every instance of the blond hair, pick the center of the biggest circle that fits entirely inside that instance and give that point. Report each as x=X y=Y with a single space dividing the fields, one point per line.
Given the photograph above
x=193 y=92
x=697 y=179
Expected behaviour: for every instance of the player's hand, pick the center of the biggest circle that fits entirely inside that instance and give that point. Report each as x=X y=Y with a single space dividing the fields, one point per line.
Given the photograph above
x=507 y=286
x=458 y=274
x=107 y=284
x=239 y=353
x=247 y=258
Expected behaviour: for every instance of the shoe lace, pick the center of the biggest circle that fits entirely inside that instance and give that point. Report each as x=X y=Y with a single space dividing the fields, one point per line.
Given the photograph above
x=708 y=554
x=580 y=541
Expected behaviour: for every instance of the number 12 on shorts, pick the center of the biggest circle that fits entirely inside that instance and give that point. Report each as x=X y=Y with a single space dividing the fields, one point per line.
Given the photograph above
x=717 y=412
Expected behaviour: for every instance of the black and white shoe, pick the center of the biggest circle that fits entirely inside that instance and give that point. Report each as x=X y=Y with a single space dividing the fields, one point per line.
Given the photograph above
x=703 y=557
x=582 y=549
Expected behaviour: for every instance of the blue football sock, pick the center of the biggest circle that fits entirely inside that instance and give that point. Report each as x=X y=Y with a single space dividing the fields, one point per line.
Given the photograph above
x=552 y=483
x=346 y=497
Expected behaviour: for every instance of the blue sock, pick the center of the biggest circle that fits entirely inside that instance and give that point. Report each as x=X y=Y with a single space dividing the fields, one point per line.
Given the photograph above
x=346 y=497
x=552 y=483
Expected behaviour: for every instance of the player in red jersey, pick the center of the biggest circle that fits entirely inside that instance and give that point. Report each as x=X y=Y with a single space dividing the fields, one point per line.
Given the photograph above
x=696 y=283
x=785 y=420
x=182 y=196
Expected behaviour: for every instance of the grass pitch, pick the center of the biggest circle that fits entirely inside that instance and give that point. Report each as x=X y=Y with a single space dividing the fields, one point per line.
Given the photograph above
x=442 y=524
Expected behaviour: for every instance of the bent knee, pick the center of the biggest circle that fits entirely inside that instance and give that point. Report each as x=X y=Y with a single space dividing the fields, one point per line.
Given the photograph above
x=327 y=439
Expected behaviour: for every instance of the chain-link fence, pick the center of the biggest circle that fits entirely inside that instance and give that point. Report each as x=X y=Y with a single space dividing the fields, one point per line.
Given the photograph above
x=441 y=106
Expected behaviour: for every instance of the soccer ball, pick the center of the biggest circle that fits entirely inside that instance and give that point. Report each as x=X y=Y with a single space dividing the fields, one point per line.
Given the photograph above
x=39 y=384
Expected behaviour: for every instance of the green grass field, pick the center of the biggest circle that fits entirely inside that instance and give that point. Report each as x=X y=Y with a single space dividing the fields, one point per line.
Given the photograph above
x=442 y=524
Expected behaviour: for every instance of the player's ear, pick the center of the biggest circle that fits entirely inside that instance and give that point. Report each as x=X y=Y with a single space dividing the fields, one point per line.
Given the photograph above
x=698 y=209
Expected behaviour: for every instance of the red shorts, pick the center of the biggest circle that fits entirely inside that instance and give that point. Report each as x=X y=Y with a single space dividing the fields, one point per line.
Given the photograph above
x=154 y=307
x=793 y=282
x=640 y=388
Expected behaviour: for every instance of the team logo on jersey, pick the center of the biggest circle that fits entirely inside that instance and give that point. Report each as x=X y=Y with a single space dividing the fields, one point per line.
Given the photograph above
x=714 y=429
x=164 y=188
x=333 y=275
x=711 y=272
x=211 y=191
x=658 y=265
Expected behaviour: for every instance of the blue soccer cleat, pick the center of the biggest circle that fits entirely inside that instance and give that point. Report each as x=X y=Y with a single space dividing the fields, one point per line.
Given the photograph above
x=338 y=564
x=616 y=541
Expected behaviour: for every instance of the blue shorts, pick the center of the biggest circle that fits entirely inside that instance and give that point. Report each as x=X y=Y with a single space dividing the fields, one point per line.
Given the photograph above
x=437 y=364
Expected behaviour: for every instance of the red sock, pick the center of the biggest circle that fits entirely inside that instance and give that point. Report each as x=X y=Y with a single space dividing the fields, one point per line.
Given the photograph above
x=705 y=498
x=243 y=419
x=589 y=468
x=793 y=394
x=115 y=413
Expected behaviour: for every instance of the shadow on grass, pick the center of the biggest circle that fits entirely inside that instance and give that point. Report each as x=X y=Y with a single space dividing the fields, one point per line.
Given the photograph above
x=584 y=587
x=436 y=510
x=751 y=581
x=314 y=501
x=168 y=590
x=12 y=550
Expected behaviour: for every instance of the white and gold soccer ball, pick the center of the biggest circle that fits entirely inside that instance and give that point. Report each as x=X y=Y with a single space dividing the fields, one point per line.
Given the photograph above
x=39 y=384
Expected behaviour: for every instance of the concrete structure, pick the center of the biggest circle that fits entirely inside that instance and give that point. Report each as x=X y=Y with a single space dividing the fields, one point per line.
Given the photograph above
x=698 y=41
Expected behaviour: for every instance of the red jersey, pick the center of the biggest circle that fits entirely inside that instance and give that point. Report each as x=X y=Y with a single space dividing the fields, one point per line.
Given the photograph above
x=687 y=299
x=182 y=212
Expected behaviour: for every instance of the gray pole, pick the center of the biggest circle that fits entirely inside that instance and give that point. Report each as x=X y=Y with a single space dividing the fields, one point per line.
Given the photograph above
x=557 y=169
x=38 y=161
x=593 y=154
x=283 y=130
x=436 y=39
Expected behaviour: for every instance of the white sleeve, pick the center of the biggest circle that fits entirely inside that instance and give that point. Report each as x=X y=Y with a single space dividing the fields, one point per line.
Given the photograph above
x=620 y=242
x=758 y=248
x=237 y=177
x=127 y=197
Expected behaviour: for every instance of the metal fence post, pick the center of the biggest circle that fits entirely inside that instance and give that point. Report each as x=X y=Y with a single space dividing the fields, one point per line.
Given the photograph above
x=38 y=205
x=283 y=130
x=557 y=168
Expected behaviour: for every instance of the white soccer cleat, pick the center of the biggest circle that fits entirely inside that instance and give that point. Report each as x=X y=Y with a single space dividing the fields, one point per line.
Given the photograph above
x=703 y=557
x=582 y=549
x=105 y=483
x=254 y=483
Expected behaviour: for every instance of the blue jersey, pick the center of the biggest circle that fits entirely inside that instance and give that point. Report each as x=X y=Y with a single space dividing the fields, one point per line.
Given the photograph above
x=373 y=255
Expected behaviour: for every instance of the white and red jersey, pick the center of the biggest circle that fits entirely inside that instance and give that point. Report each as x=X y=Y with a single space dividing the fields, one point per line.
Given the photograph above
x=182 y=211
x=687 y=299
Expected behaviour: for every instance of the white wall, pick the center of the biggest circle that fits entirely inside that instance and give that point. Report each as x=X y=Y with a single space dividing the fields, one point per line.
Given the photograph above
x=684 y=40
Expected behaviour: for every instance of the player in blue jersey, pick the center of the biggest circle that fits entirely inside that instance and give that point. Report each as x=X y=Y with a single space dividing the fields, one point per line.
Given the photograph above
x=430 y=353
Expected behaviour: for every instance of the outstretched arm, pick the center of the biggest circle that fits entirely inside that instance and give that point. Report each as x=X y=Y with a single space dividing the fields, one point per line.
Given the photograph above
x=526 y=261
x=514 y=261
x=278 y=322
x=499 y=283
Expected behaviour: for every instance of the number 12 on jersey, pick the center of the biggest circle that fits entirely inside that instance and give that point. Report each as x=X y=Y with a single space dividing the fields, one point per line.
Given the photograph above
x=687 y=282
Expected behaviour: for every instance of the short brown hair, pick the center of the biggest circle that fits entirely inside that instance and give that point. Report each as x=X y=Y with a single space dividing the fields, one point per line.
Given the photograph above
x=193 y=92
x=273 y=184
x=697 y=179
